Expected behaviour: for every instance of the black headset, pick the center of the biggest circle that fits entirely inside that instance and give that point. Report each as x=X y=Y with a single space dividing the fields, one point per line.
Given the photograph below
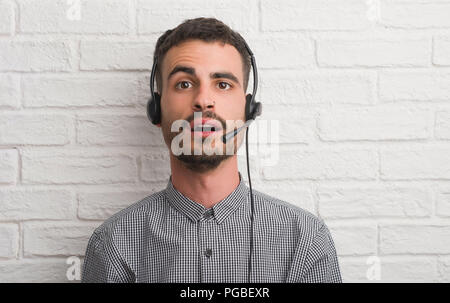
x=252 y=108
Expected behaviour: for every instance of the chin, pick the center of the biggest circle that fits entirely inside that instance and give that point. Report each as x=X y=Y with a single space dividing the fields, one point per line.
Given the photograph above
x=202 y=163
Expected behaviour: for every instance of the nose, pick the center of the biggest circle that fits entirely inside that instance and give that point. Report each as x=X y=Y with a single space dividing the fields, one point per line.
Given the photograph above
x=203 y=100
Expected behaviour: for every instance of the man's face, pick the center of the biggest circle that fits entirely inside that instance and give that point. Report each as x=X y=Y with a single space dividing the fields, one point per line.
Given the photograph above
x=206 y=78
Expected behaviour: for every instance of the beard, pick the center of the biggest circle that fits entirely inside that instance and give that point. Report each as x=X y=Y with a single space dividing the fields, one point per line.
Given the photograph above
x=201 y=162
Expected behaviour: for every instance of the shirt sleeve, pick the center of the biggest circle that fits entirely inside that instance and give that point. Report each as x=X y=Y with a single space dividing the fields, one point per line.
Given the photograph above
x=321 y=264
x=103 y=264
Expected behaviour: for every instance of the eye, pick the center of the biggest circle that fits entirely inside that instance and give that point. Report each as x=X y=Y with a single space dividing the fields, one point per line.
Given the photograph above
x=224 y=85
x=183 y=84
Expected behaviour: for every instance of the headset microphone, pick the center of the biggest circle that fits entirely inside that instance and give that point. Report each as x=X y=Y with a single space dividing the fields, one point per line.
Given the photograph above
x=233 y=133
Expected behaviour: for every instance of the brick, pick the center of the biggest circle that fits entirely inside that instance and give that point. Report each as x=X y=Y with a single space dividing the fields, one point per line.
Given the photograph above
x=442 y=126
x=424 y=163
x=97 y=17
x=99 y=55
x=8 y=166
x=331 y=87
x=414 y=239
x=155 y=166
x=408 y=269
x=40 y=56
x=91 y=90
x=48 y=270
x=443 y=203
x=414 y=14
x=30 y=204
x=9 y=91
x=9 y=240
x=393 y=269
x=373 y=52
x=313 y=15
x=152 y=17
x=373 y=124
x=354 y=240
x=57 y=239
x=282 y=51
x=443 y=269
x=354 y=269
x=105 y=130
x=292 y=124
x=373 y=201
x=6 y=18
x=441 y=50
x=34 y=129
x=77 y=166
x=414 y=86
x=293 y=192
x=103 y=204
x=297 y=163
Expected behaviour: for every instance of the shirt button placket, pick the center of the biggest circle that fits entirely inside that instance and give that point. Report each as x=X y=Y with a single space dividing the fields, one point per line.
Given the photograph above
x=208 y=215
x=205 y=230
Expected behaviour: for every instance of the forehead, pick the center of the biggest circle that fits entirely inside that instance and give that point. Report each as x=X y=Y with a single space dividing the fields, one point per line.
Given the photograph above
x=211 y=56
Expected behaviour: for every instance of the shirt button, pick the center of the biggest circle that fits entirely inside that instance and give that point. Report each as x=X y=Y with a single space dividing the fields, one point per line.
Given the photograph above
x=208 y=252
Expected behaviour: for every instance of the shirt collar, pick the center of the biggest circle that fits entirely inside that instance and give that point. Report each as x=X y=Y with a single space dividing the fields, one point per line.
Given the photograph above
x=195 y=211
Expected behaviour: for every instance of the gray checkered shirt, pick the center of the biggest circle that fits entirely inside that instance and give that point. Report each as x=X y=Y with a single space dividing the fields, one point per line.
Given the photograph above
x=167 y=237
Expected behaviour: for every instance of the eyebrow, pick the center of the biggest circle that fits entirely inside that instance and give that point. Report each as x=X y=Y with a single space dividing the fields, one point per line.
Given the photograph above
x=191 y=71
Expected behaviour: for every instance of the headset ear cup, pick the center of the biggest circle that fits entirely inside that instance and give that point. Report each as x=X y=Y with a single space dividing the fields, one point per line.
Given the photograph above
x=149 y=105
x=154 y=109
x=252 y=109
x=248 y=107
x=257 y=111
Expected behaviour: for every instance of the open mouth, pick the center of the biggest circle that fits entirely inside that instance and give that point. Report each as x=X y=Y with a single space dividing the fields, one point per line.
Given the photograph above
x=205 y=126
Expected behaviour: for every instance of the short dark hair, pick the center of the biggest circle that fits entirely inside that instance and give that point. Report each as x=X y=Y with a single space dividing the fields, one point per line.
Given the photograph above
x=205 y=29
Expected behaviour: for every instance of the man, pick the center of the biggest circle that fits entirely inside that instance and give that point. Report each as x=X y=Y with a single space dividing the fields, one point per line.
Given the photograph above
x=198 y=228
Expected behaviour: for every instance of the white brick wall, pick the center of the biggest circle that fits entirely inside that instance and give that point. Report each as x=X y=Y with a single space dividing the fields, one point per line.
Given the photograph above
x=34 y=56
x=6 y=17
x=373 y=52
x=360 y=90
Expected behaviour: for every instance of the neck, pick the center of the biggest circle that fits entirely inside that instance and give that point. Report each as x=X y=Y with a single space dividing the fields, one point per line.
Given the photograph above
x=206 y=188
